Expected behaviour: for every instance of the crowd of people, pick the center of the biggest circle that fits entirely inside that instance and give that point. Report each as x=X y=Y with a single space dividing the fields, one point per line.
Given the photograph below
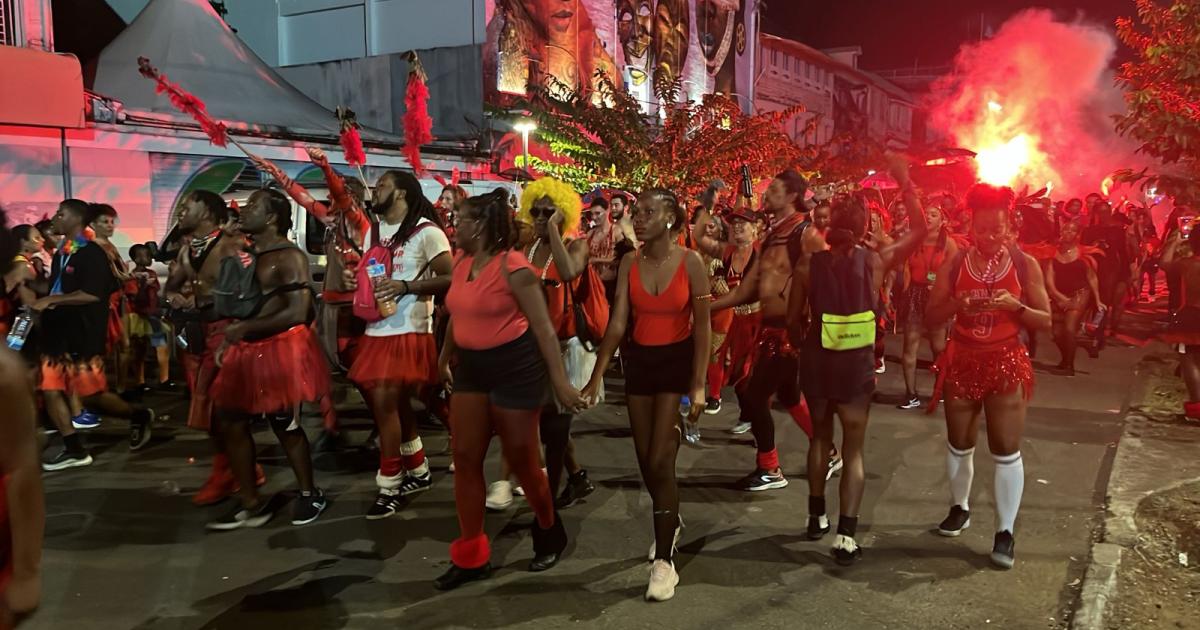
x=507 y=319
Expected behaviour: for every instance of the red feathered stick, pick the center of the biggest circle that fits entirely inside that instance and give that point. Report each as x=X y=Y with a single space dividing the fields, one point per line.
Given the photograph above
x=352 y=146
x=418 y=126
x=190 y=105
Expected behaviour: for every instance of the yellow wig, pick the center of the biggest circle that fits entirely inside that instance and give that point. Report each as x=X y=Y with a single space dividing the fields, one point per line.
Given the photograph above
x=563 y=196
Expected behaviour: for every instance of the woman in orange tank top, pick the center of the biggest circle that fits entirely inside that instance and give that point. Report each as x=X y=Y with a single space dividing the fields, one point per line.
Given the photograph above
x=985 y=366
x=665 y=289
x=506 y=355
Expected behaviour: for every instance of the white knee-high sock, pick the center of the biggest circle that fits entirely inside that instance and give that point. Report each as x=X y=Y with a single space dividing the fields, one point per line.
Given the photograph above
x=1010 y=484
x=960 y=465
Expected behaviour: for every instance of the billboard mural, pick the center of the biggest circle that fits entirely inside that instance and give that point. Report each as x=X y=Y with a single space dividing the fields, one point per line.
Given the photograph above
x=705 y=45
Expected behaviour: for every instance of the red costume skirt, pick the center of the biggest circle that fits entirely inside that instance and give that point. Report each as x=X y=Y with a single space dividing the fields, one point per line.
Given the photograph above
x=970 y=371
x=273 y=374
x=406 y=360
x=82 y=378
x=740 y=345
x=116 y=329
x=201 y=370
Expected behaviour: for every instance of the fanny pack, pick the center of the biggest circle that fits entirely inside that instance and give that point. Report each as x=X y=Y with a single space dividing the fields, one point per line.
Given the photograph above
x=847 y=332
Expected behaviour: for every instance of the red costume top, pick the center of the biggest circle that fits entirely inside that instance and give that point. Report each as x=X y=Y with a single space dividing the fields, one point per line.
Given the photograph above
x=992 y=326
x=663 y=319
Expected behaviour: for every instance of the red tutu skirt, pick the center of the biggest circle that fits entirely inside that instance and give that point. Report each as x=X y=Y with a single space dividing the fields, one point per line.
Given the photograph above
x=406 y=360
x=971 y=372
x=201 y=371
x=116 y=328
x=273 y=374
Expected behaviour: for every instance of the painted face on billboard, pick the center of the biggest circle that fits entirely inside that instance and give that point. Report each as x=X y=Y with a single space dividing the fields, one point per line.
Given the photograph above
x=715 y=26
x=672 y=26
x=561 y=19
x=635 y=19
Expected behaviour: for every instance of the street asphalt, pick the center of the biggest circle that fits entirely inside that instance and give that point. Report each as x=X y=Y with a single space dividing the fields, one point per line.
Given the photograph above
x=126 y=549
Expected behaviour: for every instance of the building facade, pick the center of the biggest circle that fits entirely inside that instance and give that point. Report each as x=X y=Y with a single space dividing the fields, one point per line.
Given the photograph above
x=832 y=88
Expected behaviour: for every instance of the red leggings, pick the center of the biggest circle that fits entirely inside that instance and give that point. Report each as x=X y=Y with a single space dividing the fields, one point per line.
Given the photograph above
x=475 y=421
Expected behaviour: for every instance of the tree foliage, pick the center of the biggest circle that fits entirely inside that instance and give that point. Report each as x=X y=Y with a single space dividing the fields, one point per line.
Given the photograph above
x=615 y=145
x=1162 y=92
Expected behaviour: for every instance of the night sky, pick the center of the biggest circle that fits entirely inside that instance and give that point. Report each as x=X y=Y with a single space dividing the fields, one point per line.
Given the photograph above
x=903 y=33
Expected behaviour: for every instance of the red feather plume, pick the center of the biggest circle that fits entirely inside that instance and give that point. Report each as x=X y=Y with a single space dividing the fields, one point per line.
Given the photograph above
x=185 y=102
x=418 y=126
x=351 y=141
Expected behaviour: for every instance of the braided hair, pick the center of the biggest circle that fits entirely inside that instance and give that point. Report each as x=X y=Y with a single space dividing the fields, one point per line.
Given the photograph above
x=494 y=215
x=678 y=211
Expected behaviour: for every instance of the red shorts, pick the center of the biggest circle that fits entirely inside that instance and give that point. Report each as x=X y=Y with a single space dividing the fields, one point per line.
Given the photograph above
x=405 y=360
x=81 y=378
x=970 y=372
x=201 y=370
x=740 y=345
x=273 y=374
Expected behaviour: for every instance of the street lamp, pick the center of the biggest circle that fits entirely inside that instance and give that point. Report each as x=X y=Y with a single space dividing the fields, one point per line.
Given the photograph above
x=525 y=127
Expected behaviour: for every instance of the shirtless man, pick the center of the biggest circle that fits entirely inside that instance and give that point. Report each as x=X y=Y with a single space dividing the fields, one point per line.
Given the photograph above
x=270 y=363
x=610 y=239
x=775 y=371
x=206 y=217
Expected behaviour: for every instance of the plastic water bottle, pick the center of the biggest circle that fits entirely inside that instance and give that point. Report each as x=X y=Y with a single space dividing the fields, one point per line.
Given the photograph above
x=375 y=271
x=20 y=329
x=685 y=406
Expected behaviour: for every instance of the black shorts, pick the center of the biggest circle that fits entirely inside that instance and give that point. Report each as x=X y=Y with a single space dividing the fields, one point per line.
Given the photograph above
x=512 y=375
x=845 y=377
x=651 y=370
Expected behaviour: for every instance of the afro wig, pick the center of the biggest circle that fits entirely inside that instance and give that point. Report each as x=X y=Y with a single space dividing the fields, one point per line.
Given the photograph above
x=563 y=196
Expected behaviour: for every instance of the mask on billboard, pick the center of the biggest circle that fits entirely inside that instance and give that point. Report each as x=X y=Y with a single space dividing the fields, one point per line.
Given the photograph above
x=635 y=21
x=717 y=19
x=672 y=28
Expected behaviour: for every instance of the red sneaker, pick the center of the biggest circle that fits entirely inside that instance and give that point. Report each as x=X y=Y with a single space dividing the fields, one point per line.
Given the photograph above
x=219 y=486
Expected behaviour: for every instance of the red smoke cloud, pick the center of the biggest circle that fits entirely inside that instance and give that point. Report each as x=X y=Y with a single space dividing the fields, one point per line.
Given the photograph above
x=1034 y=102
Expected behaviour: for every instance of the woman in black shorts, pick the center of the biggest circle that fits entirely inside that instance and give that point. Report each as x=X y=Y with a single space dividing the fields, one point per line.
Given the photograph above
x=841 y=286
x=1072 y=284
x=664 y=289
x=505 y=347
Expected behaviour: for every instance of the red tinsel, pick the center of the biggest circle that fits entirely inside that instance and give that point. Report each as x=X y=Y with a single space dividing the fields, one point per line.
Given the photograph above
x=186 y=103
x=418 y=126
x=352 y=147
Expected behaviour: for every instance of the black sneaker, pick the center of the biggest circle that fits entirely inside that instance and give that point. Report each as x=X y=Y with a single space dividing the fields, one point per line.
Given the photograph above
x=958 y=520
x=139 y=428
x=385 y=505
x=64 y=459
x=911 y=403
x=1003 y=550
x=240 y=517
x=416 y=483
x=308 y=507
x=456 y=576
x=712 y=406
x=578 y=486
x=818 y=526
x=760 y=480
x=845 y=551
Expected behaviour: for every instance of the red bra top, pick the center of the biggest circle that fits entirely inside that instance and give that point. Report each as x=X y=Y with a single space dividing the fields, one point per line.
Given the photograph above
x=664 y=319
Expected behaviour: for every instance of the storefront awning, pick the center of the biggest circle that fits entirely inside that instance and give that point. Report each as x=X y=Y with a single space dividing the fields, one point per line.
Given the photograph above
x=46 y=88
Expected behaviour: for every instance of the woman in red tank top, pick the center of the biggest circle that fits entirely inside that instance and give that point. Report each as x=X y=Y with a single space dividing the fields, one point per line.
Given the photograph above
x=664 y=288
x=985 y=366
x=505 y=351
x=920 y=273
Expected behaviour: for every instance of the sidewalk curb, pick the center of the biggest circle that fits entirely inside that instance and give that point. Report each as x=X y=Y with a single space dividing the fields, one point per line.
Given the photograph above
x=1119 y=532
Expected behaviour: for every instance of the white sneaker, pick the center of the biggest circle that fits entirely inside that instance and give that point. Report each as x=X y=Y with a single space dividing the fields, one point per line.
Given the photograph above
x=499 y=496
x=663 y=580
x=740 y=428
x=674 y=543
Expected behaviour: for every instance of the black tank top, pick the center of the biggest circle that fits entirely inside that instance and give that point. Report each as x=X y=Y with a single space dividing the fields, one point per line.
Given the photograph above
x=1070 y=277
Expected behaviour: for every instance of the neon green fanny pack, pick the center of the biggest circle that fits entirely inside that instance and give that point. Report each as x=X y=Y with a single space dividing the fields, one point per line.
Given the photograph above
x=847 y=332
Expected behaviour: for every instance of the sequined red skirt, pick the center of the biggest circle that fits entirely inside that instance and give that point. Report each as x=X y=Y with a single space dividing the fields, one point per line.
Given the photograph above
x=972 y=372
x=409 y=359
x=273 y=374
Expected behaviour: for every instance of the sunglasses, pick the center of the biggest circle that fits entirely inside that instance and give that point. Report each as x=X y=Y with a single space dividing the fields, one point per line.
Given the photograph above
x=541 y=212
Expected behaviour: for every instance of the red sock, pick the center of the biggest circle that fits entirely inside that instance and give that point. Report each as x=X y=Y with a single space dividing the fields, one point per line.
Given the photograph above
x=221 y=463
x=413 y=454
x=768 y=460
x=802 y=417
x=390 y=466
x=1192 y=409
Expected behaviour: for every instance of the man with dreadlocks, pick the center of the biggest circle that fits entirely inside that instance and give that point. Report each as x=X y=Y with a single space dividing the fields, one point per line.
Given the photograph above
x=398 y=356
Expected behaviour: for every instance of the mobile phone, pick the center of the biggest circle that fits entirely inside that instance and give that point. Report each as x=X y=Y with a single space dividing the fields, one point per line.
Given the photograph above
x=1185 y=225
x=747 y=189
x=979 y=301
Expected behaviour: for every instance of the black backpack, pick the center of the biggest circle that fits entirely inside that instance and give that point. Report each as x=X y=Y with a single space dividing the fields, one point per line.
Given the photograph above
x=237 y=293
